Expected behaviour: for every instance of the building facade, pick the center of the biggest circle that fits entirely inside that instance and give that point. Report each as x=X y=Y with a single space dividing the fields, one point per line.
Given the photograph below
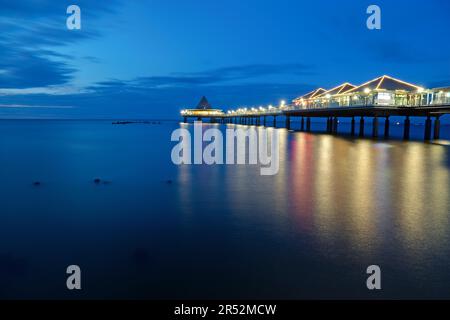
x=381 y=91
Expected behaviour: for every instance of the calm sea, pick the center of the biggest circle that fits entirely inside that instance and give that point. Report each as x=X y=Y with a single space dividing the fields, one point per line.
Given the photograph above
x=151 y=229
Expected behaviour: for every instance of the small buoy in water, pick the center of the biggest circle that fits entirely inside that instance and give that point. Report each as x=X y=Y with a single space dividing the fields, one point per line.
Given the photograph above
x=97 y=180
x=36 y=183
x=169 y=181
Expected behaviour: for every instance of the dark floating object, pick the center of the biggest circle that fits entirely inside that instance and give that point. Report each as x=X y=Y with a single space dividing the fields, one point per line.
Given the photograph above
x=99 y=181
x=37 y=183
x=169 y=181
x=131 y=122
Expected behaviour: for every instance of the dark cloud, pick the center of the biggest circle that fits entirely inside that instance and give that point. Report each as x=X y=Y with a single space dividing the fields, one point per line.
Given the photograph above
x=52 y=8
x=21 y=68
x=210 y=77
x=29 y=29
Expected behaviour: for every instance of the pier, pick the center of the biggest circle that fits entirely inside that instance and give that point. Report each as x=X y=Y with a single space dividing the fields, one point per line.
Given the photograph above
x=358 y=117
x=374 y=101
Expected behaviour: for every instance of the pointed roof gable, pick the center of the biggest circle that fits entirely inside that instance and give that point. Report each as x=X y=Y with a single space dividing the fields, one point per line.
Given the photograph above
x=337 y=90
x=392 y=84
x=385 y=83
x=203 y=104
x=311 y=94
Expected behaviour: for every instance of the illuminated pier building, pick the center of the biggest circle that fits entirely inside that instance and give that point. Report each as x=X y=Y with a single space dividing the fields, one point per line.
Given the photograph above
x=377 y=99
x=203 y=110
x=381 y=91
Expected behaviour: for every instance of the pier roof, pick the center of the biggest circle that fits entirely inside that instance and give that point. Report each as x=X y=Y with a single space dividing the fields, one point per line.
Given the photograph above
x=441 y=89
x=337 y=90
x=310 y=95
x=385 y=83
x=204 y=104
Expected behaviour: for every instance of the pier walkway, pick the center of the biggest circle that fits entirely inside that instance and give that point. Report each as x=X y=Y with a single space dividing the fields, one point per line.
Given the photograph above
x=358 y=116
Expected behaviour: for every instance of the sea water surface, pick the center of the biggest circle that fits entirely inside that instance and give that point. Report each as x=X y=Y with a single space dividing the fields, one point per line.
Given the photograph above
x=151 y=229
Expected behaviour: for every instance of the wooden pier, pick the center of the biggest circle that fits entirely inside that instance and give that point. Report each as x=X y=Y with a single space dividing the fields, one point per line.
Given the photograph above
x=358 y=115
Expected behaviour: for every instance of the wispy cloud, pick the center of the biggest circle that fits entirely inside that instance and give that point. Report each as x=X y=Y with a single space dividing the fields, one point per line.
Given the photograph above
x=210 y=77
x=32 y=32
x=24 y=106
x=50 y=91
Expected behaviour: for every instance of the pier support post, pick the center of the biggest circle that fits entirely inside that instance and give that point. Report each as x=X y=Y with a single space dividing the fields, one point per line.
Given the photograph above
x=288 y=122
x=274 y=121
x=264 y=121
x=427 y=134
x=437 y=128
x=308 y=124
x=375 y=128
x=406 y=128
x=302 y=124
x=185 y=119
x=361 y=127
x=258 y=121
x=352 y=132
x=335 y=125
x=386 y=128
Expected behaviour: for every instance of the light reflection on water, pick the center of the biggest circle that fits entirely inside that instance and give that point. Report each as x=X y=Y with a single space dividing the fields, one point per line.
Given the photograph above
x=336 y=206
x=356 y=200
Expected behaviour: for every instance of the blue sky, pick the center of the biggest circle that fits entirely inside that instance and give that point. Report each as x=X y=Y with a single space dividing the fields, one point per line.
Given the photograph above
x=149 y=59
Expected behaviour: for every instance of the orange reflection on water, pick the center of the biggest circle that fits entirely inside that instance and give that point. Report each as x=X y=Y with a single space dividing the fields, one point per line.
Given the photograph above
x=359 y=195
